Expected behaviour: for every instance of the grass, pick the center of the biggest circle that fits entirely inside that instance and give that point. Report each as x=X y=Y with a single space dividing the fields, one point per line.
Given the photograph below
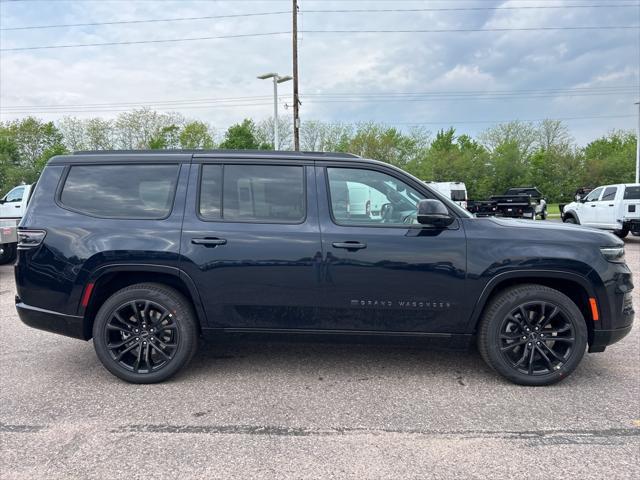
x=553 y=209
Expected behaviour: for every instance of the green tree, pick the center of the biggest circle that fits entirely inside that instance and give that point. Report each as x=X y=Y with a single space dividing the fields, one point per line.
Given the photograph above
x=241 y=136
x=610 y=159
x=195 y=135
x=165 y=138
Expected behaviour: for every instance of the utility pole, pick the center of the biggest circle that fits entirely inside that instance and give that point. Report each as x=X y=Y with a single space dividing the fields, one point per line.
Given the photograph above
x=276 y=80
x=296 y=100
x=638 y=147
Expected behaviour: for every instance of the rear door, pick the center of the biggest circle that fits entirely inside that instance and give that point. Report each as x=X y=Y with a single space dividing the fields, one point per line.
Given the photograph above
x=251 y=242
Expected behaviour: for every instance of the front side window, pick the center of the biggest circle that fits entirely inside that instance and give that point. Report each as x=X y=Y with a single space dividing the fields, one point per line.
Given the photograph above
x=15 y=195
x=368 y=197
x=253 y=193
x=595 y=195
x=121 y=191
x=609 y=193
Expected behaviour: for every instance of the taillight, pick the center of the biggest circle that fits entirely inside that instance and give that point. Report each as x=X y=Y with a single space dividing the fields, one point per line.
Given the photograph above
x=30 y=238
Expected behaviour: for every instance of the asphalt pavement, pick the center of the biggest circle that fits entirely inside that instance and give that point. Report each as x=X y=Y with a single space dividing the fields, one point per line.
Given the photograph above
x=311 y=410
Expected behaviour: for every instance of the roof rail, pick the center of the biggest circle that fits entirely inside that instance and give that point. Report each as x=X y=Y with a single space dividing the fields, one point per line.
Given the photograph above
x=260 y=153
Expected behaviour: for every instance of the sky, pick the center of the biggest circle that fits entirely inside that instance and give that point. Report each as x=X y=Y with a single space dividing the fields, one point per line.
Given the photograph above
x=508 y=70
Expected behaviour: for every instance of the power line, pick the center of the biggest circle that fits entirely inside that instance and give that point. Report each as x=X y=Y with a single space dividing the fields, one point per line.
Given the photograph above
x=368 y=10
x=354 y=96
x=153 y=20
x=191 y=39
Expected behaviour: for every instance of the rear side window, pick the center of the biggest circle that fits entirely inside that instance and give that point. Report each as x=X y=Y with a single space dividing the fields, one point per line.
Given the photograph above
x=253 y=193
x=609 y=193
x=121 y=191
x=632 y=193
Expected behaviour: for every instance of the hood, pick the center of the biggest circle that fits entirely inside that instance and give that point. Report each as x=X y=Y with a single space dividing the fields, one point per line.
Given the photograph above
x=546 y=229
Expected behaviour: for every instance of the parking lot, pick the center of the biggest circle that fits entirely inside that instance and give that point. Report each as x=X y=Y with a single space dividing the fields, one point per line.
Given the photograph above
x=309 y=410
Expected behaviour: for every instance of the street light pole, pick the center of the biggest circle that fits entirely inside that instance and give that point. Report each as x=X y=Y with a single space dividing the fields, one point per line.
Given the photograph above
x=638 y=147
x=276 y=80
x=276 y=140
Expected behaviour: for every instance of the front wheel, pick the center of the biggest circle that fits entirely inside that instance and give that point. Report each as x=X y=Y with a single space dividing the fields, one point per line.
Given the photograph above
x=532 y=335
x=145 y=333
x=621 y=233
x=570 y=220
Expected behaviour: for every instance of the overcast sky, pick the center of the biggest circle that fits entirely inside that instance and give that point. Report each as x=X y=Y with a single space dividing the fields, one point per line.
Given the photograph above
x=465 y=79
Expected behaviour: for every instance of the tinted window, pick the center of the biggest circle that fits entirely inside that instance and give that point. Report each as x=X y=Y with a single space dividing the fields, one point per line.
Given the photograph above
x=211 y=191
x=632 y=193
x=609 y=193
x=593 y=196
x=121 y=191
x=458 y=195
x=263 y=193
x=368 y=197
x=15 y=195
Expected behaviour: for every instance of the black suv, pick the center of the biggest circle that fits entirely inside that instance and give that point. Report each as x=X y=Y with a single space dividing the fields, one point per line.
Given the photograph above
x=144 y=252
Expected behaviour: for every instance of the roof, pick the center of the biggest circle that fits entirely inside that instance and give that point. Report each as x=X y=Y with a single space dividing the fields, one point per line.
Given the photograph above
x=186 y=155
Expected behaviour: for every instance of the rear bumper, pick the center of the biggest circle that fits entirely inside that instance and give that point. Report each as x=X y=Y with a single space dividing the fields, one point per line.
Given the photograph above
x=60 y=323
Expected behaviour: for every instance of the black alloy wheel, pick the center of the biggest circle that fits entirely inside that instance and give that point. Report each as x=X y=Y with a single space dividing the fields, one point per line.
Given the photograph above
x=142 y=336
x=145 y=333
x=532 y=335
x=536 y=338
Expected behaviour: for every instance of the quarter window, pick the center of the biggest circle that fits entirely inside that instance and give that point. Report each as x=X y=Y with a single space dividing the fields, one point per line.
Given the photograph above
x=121 y=191
x=367 y=197
x=609 y=193
x=253 y=193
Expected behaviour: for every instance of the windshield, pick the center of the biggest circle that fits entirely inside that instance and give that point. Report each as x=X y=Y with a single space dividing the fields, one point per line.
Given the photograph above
x=632 y=193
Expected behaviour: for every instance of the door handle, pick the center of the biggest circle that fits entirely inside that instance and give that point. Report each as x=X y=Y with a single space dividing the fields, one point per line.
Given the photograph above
x=209 y=242
x=611 y=205
x=350 y=245
x=592 y=206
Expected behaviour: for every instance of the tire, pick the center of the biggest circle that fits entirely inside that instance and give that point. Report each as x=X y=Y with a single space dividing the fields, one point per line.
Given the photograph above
x=621 y=233
x=8 y=255
x=570 y=220
x=165 y=322
x=543 y=215
x=504 y=341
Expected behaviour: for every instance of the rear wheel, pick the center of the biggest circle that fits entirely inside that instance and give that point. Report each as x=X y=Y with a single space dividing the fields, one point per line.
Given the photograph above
x=532 y=335
x=7 y=253
x=145 y=333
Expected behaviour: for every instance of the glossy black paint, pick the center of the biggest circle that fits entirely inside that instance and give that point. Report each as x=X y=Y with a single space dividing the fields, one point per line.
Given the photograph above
x=305 y=277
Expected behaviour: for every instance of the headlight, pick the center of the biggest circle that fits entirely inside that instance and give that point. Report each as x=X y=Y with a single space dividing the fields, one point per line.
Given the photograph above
x=613 y=254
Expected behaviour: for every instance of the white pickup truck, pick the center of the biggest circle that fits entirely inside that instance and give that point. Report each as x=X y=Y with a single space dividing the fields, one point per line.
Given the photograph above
x=609 y=207
x=12 y=207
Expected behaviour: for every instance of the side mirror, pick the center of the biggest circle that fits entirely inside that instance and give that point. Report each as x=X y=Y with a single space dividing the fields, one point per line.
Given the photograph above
x=583 y=200
x=2 y=201
x=433 y=212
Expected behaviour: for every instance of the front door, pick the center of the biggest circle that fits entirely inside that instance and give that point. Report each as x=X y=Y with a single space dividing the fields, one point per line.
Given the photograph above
x=589 y=209
x=382 y=270
x=251 y=243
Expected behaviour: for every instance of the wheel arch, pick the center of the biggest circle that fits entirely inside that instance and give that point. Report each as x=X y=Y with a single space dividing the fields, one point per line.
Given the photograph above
x=572 y=214
x=109 y=279
x=574 y=286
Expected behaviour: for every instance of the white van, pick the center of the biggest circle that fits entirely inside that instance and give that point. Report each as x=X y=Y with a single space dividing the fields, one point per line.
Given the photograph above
x=456 y=191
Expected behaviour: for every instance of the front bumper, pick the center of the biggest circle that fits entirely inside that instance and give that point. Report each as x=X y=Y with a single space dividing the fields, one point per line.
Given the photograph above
x=55 y=322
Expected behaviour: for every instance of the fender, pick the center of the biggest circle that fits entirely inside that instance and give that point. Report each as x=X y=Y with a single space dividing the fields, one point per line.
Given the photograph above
x=571 y=213
x=95 y=276
x=491 y=285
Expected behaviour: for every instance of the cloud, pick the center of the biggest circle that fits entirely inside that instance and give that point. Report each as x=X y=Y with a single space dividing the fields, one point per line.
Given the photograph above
x=329 y=63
